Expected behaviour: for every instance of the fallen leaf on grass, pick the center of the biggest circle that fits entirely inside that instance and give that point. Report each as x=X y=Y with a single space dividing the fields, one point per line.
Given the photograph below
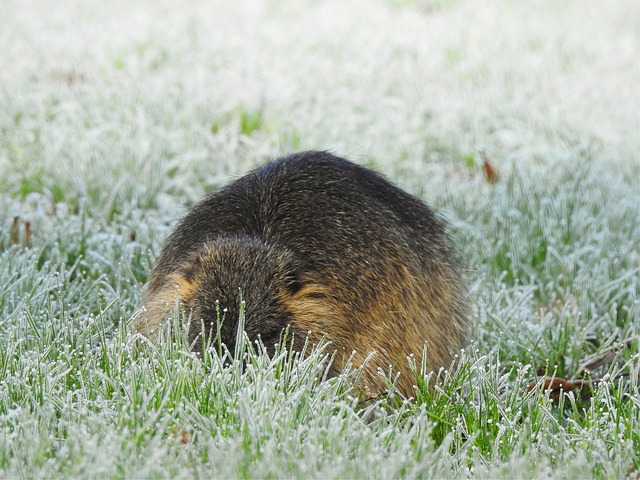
x=15 y=232
x=556 y=386
x=181 y=434
x=578 y=384
x=489 y=172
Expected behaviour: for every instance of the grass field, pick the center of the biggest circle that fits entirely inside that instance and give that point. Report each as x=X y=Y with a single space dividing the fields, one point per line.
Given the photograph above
x=115 y=116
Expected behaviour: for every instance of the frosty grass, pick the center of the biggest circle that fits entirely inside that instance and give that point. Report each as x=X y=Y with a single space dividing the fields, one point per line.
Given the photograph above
x=115 y=116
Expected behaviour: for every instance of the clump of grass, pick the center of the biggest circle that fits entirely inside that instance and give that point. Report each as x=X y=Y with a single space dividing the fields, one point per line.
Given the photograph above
x=79 y=399
x=108 y=407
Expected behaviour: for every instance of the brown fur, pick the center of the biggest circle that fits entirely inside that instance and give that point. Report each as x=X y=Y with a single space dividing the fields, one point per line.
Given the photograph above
x=326 y=248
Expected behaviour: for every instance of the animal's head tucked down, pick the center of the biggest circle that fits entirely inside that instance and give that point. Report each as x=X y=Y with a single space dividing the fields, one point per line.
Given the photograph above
x=217 y=278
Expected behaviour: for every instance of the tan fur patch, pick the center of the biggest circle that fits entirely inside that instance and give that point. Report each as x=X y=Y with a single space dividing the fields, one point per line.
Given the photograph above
x=159 y=305
x=400 y=321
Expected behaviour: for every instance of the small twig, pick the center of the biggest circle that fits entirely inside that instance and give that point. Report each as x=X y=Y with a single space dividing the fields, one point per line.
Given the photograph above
x=607 y=356
x=27 y=233
x=15 y=232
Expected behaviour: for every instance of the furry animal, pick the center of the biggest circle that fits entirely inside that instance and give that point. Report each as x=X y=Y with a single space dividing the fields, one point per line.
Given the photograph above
x=327 y=248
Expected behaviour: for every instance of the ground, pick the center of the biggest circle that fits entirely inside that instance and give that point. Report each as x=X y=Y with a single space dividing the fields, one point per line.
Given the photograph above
x=519 y=121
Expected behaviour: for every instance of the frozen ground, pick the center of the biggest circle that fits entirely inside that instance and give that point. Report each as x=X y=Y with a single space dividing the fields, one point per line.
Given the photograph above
x=115 y=115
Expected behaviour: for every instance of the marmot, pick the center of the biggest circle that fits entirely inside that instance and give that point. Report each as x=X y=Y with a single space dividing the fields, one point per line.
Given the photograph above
x=327 y=248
